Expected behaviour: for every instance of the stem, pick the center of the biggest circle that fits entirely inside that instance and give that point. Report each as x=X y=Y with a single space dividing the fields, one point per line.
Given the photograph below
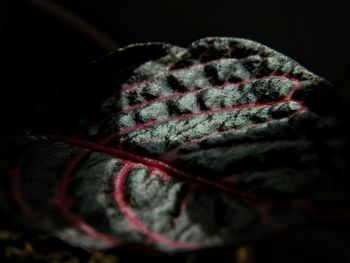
x=76 y=22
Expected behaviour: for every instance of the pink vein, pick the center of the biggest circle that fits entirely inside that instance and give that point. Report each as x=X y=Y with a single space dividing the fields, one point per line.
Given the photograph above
x=132 y=219
x=64 y=202
x=214 y=134
x=190 y=115
x=159 y=165
x=17 y=192
x=297 y=86
x=199 y=64
x=169 y=155
x=178 y=94
x=192 y=90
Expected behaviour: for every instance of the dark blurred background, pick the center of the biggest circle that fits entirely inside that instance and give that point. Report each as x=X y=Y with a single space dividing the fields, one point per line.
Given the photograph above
x=42 y=56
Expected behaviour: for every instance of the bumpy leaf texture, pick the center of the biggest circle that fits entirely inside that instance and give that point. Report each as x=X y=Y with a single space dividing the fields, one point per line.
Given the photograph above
x=224 y=142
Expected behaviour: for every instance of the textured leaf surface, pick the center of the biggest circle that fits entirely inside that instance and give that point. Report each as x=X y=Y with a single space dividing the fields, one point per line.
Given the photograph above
x=224 y=142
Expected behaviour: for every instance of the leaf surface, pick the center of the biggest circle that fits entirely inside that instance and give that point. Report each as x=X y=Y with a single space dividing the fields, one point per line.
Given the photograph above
x=224 y=142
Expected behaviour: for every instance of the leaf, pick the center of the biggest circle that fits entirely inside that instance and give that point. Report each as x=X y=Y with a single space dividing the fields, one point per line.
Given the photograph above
x=219 y=144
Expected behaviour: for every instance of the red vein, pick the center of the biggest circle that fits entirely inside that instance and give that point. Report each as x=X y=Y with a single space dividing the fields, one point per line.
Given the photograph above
x=17 y=192
x=64 y=202
x=138 y=84
x=189 y=115
x=159 y=165
x=199 y=64
x=192 y=90
x=216 y=133
x=134 y=221
x=178 y=94
x=169 y=155
x=297 y=86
